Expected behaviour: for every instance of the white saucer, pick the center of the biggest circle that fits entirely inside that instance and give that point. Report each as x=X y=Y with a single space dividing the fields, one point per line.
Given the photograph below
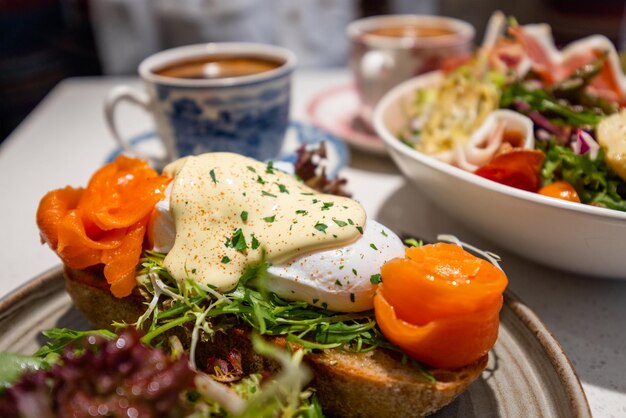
x=337 y=111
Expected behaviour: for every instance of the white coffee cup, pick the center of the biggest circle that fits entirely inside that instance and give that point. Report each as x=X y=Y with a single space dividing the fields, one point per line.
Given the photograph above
x=387 y=50
x=246 y=114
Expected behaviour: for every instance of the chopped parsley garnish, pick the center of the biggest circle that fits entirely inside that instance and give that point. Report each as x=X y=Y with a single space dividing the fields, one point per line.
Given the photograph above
x=352 y=297
x=327 y=205
x=350 y=221
x=251 y=168
x=302 y=212
x=244 y=216
x=341 y=267
x=264 y=193
x=306 y=194
x=321 y=227
x=212 y=174
x=354 y=272
x=360 y=229
x=270 y=219
x=338 y=283
x=382 y=231
x=373 y=246
x=255 y=243
x=315 y=200
x=269 y=168
x=225 y=260
x=260 y=180
x=193 y=271
x=339 y=223
x=315 y=300
x=282 y=188
x=376 y=279
x=324 y=305
x=237 y=241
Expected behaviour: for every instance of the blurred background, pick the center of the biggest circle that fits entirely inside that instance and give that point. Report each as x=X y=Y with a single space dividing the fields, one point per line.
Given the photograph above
x=44 y=41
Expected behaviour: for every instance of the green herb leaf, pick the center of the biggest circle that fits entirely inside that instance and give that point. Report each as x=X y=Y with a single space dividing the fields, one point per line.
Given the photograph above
x=244 y=216
x=237 y=241
x=302 y=212
x=59 y=338
x=327 y=205
x=321 y=227
x=270 y=219
x=340 y=223
x=212 y=174
x=13 y=366
x=376 y=279
x=225 y=260
x=264 y=193
x=373 y=246
x=250 y=168
x=255 y=243
x=360 y=229
x=269 y=168
x=282 y=188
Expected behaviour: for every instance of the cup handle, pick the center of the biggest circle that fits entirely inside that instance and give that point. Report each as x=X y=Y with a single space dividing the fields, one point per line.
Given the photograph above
x=119 y=94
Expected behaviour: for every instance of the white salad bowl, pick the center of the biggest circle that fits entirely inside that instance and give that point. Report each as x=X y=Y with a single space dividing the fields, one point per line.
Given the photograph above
x=568 y=236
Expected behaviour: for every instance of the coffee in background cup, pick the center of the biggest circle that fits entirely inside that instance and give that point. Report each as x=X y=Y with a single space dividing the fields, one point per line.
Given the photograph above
x=386 y=50
x=218 y=66
x=231 y=97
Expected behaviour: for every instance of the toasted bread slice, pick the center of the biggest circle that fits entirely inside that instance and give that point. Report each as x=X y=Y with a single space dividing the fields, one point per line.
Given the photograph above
x=373 y=384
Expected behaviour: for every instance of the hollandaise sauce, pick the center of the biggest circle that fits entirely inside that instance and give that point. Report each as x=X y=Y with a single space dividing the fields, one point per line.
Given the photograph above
x=227 y=208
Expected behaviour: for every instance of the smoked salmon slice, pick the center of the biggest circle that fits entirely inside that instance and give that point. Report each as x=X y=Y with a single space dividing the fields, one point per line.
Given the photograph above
x=440 y=304
x=104 y=223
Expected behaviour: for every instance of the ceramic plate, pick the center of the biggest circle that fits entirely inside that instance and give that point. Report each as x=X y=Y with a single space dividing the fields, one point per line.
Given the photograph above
x=528 y=373
x=337 y=110
x=298 y=134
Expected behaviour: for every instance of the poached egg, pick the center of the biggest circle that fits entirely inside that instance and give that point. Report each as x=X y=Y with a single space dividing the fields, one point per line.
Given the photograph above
x=222 y=209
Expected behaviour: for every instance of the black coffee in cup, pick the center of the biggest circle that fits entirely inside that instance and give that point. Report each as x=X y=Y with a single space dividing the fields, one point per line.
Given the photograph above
x=218 y=66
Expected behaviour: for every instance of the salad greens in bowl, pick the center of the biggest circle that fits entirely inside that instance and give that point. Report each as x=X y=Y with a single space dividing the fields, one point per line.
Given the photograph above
x=524 y=143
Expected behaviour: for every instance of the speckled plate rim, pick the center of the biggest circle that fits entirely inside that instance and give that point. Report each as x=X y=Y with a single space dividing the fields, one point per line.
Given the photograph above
x=562 y=364
x=52 y=281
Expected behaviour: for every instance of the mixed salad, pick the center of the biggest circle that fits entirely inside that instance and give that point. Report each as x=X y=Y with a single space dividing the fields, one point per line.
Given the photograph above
x=522 y=113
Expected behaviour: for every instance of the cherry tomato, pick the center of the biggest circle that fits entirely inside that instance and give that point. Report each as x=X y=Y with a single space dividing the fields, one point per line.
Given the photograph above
x=560 y=190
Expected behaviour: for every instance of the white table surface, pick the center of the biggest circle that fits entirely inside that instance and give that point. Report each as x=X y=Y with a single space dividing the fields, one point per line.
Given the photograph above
x=65 y=139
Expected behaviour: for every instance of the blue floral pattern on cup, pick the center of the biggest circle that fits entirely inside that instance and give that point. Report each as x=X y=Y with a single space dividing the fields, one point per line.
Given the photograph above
x=246 y=119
